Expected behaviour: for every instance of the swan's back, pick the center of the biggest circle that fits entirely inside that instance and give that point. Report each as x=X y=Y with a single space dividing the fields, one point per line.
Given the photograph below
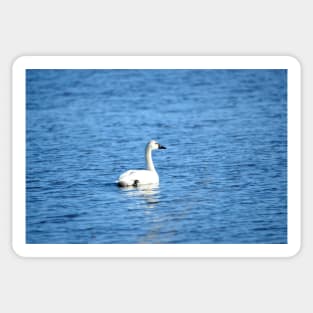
x=135 y=177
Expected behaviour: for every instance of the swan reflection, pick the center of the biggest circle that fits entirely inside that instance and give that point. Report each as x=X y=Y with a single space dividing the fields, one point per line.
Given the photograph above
x=149 y=193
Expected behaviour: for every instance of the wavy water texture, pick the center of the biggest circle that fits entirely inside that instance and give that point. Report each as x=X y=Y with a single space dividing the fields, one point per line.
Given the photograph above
x=223 y=178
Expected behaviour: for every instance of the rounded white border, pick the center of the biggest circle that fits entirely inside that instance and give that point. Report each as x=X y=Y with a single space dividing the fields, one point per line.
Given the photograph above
x=155 y=250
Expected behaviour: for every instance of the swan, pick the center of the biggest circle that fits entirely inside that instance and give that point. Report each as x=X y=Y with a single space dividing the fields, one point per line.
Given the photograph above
x=142 y=177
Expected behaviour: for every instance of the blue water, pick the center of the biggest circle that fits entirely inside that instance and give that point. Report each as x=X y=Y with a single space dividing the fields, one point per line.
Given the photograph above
x=223 y=177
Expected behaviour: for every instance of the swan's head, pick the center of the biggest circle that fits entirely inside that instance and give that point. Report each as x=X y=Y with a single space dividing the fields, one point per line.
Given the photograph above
x=153 y=145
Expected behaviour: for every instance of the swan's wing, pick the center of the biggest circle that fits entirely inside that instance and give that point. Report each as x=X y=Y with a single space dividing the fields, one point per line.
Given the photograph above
x=142 y=176
x=132 y=175
x=128 y=175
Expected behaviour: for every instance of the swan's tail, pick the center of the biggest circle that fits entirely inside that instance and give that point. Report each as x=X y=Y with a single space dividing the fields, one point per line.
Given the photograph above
x=121 y=183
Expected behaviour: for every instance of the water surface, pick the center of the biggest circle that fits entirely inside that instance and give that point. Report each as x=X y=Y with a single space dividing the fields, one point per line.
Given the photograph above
x=223 y=177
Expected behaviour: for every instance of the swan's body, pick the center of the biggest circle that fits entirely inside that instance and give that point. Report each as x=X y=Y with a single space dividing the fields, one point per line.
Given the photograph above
x=142 y=177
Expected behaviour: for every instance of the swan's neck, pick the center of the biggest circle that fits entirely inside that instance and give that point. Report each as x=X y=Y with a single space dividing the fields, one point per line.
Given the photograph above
x=150 y=165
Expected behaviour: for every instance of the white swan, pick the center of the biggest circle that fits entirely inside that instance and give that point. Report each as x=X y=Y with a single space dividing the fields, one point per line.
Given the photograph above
x=142 y=177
